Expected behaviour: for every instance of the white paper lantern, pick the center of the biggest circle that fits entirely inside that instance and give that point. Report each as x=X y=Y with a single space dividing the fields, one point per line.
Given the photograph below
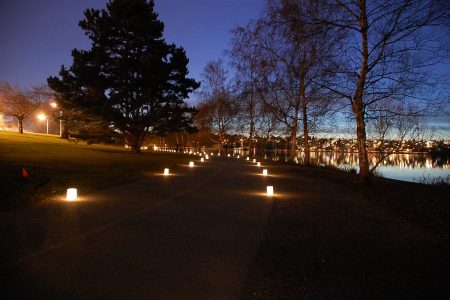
x=269 y=190
x=72 y=194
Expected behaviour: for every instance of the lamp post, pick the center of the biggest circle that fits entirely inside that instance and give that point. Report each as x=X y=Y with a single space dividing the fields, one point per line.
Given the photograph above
x=43 y=117
x=55 y=105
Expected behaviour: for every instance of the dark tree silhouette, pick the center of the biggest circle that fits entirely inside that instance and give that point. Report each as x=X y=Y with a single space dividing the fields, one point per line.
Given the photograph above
x=130 y=77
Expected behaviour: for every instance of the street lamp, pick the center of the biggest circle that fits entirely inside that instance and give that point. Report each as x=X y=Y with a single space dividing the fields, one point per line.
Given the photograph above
x=43 y=117
x=53 y=104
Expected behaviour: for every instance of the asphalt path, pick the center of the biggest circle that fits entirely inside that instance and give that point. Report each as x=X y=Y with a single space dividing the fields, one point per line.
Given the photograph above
x=190 y=235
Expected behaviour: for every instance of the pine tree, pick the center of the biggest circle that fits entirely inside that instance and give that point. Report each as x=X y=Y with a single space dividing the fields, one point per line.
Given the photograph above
x=130 y=77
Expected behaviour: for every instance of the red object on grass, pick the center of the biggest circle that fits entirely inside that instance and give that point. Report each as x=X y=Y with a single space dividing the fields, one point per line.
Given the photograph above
x=24 y=173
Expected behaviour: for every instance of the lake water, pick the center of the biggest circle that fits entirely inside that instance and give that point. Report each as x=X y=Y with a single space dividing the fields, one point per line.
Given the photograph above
x=416 y=167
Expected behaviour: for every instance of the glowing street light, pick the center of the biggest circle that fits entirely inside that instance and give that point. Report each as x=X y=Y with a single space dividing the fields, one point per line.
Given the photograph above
x=54 y=105
x=43 y=117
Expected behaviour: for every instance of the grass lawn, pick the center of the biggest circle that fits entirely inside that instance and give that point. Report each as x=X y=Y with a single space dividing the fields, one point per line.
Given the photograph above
x=54 y=164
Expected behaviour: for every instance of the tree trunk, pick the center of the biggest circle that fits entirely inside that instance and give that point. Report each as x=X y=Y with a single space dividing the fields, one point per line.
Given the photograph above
x=20 y=123
x=182 y=142
x=252 y=122
x=251 y=134
x=135 y=141
x=293 y=144
x=294 y=128
x=221 y=140
x=364 y=173
x=305 y=124
x=358 y=103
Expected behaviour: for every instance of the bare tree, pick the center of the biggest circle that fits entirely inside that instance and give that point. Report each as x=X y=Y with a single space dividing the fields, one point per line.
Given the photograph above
x=16 y=103
x=246 y=65
x=390 y=46
x=40 y=94
x=217 y=111
x=290 y=56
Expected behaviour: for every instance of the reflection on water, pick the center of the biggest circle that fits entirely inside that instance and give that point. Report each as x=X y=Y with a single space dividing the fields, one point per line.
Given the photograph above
x=407 y=167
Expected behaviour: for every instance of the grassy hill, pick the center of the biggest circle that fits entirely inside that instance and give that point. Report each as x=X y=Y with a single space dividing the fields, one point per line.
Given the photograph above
x=54 y=164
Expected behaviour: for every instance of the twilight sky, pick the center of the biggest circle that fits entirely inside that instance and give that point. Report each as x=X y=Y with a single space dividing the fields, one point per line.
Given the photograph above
x=37 y=36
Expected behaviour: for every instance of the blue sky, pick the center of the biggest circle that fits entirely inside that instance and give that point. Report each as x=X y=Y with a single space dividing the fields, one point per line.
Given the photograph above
x=37 y=36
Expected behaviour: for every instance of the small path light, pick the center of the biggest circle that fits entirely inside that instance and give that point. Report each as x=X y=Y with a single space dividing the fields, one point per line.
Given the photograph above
x=191 y=164
x=248 y=158
x=258 y=164
x=166 y=171
x=206 y=156
x=269 y=191
x=202 y=160
x=228 y=155
x=265 y=172
x=254 y=160
x=72 y=194
x=238 y=156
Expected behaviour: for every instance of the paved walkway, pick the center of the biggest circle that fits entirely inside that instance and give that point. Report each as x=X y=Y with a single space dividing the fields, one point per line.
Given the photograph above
x=192 y=235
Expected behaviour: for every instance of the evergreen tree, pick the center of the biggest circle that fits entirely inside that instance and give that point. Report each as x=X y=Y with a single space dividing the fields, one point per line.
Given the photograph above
x=130 y=77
